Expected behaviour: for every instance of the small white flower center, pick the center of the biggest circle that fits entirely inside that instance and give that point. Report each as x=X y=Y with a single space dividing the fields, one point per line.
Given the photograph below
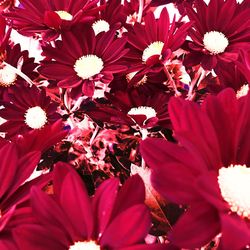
x=243 y=91
x=100 y=26
x=129 y=77
x=234 y=183
x=153 y=49
x=86 y=245
x=143 y=110
x=215 y=42
x=7 y=77
x=64 y=15
x=35 y=117
x=88 y=66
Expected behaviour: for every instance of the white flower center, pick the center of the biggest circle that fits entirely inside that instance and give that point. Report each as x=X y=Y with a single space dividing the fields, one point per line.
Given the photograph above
x=86 y=245
x=154 y=48
x=100 y=26
x=7 y=77
x=64 y=15
x=234 y=183
x=143 y=110
x=35 y=117
x=215 y=42
x=88 y=66
x=243 y=91
x=129 y=77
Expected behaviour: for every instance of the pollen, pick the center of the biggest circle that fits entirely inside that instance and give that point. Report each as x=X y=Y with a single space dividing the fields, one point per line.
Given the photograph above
x=86 y=245
x=7 y=77
x=129 y=77
x=234 y=183
x=243 y=91
x=35 y=117
x=88 y=66
x=100 y=26
x=64 y=15
x=143 y=110
x=153 y=49
x=215 y=42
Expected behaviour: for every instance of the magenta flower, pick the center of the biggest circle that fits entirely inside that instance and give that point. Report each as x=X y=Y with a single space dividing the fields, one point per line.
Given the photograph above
x=69 y=219
x=28 y=108
x=134 y=109
x=218 y=32
x=91 y=59
x=15 y=169
x=153 y=43
x=208 y=170
x=49 y=18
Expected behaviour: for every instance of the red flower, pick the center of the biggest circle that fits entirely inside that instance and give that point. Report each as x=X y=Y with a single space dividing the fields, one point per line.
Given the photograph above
x=113 y=16
x=148 y=83
x=218 y=32
x=15 y=169
x=50 y=17
x=153 y=43
x=69 y=219
x=28 y=108
x=34 y=139
x=90 y=59
x=134 y=109
x=207 y=170
x=231 y=75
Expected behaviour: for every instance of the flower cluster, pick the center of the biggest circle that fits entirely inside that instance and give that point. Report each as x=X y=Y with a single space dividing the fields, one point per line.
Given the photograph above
x=124 y=124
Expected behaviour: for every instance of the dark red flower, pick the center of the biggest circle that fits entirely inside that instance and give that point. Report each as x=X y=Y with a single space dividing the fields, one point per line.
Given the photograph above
x=34 y=139
x=48 y=18
x=28 y=108
x=218 y=32
x=153 y=44
x=69 y=219
x=134 y=109
x=15 y=169
x=90 y=59
x=112 y=16
x=16 y=58
x=231 y=75
x=148 y=83
x=208 y=170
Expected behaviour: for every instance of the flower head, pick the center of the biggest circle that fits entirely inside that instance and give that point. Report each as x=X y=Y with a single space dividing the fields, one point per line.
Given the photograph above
x=93 y=58
x=217 y=33
x=71 y=220
x=28 y=108
x=208 y=170
x=50 y=18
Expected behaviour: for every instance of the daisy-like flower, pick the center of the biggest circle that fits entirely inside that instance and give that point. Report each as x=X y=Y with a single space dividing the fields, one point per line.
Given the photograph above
x=134 y=109
x=12 y=56
x=34 y=139
x=90 y=59
x=15 y=169
x=28 y=108
x=231 y=75
x=49 y=18
x=153 y=43
x=69 y=219
x=147 y=83
x=113 y=16
x=208 y=170
x=16 y=58
x=218 y=32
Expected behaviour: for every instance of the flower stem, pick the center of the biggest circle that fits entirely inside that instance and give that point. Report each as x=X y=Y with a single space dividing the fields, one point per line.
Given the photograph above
x=171 y=82
x=199 y=75
x=19 y=72
x=140 y=11
x=94 y=135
